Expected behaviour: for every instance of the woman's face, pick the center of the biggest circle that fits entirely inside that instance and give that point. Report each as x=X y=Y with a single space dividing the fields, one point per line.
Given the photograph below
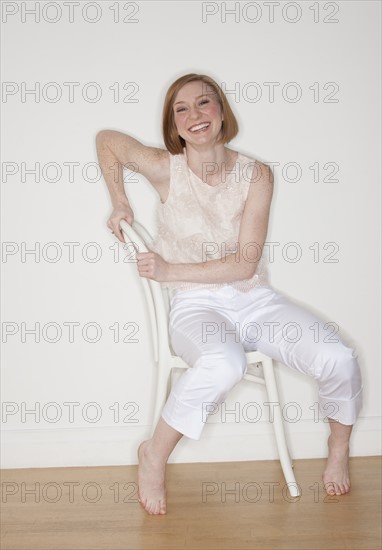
x=197 y=113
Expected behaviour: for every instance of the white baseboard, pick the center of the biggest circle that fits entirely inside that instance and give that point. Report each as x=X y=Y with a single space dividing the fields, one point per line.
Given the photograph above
x=104 y=446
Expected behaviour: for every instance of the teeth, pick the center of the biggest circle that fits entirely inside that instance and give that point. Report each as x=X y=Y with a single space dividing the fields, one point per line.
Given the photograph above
x=199 y=127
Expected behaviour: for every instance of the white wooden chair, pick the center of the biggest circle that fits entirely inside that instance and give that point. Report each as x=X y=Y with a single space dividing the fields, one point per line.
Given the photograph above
x=260 y=367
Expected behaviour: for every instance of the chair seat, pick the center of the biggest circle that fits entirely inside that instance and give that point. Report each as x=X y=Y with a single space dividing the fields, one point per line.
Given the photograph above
x=254 y=366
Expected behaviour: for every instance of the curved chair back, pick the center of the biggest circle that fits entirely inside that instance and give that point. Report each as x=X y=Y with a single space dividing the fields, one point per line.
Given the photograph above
x=156 y=298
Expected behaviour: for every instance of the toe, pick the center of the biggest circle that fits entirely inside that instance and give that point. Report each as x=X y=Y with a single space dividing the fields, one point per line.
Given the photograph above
x=162 y=508
x=330 y=488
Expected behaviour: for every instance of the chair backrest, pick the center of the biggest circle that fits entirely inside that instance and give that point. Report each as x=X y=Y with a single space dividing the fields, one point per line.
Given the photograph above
x=157 y=299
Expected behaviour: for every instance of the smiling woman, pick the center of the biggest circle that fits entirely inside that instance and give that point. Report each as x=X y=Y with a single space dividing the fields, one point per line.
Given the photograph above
x=212 y=224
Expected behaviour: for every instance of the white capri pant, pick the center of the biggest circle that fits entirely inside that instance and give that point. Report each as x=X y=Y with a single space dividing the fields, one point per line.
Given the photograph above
x=212 y=329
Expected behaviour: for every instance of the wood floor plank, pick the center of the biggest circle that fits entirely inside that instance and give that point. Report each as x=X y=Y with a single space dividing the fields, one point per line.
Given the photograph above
x=220 y=506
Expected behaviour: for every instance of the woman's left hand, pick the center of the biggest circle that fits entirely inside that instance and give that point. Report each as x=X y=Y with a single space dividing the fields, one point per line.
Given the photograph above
x=152 y=266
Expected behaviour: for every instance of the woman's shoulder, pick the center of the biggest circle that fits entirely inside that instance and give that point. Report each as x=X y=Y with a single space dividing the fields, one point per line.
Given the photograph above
x=251 y=164
x=245 y=156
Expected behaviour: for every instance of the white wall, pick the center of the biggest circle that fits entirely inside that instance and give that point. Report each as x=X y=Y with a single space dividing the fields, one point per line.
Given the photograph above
x=167 y=40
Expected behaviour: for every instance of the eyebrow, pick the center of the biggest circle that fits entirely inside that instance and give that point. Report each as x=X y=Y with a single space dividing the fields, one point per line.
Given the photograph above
x=201 y=95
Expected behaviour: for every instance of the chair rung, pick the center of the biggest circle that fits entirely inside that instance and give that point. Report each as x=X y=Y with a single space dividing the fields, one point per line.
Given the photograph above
x=254 y=378
x=254 y=373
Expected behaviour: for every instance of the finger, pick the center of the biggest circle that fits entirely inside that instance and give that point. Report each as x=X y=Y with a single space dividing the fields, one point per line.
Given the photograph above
x=142 y=255
x=143 y=268
x=144 y=274
x=145 y=265
x=118 y=233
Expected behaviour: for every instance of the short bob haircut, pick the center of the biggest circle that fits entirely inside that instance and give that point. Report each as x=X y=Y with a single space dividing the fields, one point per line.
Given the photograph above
x=173 y=141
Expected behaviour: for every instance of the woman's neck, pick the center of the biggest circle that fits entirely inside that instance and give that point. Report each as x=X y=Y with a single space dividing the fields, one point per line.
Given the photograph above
x=210 y=164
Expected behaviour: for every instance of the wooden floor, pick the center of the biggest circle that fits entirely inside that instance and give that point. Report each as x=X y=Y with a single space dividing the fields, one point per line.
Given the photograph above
x=222 y=506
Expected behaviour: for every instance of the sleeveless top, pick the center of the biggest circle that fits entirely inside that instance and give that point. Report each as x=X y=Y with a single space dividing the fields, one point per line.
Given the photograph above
x=199 y=222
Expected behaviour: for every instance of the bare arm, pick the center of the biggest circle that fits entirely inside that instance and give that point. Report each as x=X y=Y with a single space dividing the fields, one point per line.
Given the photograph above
x=237 y=266
x=116 y=150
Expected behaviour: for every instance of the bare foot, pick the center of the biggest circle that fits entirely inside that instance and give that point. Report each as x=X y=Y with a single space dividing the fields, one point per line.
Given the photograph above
x=151 y=488
x=336 y=474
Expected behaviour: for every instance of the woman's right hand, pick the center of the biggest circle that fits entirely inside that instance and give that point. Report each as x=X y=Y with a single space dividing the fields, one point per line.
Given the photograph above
x=120 y=212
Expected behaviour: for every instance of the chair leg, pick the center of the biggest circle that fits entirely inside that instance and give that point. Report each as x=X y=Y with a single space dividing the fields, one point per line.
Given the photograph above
x=285 y=460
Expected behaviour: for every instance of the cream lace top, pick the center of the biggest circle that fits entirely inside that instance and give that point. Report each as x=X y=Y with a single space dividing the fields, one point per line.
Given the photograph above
x=199 y=222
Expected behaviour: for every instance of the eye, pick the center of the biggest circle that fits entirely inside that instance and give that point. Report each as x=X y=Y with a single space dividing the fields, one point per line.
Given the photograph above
x=204 y=101
x=179 y=110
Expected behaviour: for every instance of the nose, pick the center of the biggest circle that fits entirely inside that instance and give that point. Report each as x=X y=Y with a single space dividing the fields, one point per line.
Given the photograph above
x=194 y=112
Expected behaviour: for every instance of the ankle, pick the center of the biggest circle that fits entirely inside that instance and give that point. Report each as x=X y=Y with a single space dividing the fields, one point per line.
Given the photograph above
x=338 y=445
x=152 y=454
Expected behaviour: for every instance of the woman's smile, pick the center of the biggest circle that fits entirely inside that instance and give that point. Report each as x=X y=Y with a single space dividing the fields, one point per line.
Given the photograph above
x=201 y=127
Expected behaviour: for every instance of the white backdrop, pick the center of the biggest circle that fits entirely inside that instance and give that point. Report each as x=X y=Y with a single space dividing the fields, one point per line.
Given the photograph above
x=304 y=83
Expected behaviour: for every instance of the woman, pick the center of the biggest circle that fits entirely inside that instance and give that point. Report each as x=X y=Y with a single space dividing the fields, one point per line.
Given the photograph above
x=212 y=225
